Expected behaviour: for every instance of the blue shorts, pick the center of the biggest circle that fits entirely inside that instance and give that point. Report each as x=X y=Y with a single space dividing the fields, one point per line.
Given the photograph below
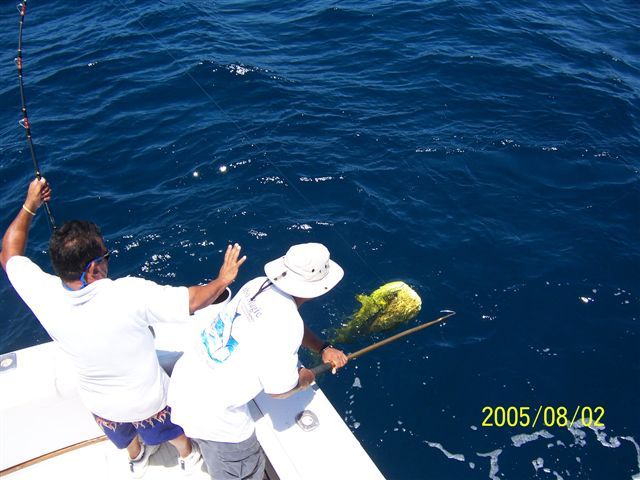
x=154 y=430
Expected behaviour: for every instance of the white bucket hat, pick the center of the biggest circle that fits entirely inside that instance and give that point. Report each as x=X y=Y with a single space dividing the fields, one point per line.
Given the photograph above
x=305 y=271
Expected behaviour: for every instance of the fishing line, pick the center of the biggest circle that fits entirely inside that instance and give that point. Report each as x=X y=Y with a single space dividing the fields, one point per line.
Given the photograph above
x=245 y=137
x=22 y=8
x=25 y=120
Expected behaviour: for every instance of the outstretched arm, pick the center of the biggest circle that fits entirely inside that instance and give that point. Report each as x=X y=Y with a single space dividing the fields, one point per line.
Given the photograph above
x=15 y=238
x=201 y=296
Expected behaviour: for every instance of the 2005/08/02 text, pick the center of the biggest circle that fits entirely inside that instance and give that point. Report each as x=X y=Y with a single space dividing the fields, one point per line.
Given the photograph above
x=547 y=416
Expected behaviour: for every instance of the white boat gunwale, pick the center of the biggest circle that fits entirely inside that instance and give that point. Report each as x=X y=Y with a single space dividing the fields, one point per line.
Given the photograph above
x=42 y=390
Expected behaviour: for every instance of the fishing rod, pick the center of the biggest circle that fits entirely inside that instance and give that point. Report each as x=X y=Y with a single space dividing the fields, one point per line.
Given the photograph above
x=22 y=8
x=317 y=370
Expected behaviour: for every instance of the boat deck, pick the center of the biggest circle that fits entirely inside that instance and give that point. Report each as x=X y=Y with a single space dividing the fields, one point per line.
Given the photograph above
x=45 y=431
x=101 y=461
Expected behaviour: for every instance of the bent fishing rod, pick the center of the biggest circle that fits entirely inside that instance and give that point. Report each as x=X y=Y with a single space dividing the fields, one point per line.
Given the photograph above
x=319 y=369
x=22 y=8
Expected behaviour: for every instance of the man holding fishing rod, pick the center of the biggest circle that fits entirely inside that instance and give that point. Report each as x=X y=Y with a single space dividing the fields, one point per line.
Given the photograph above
x=103 y=327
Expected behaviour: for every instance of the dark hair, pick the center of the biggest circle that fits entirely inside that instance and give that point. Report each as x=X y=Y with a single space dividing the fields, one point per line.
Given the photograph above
x=72 y=246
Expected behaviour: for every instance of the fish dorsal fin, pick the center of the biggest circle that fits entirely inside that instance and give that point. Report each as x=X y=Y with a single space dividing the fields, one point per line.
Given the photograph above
x=369 y=305
x=366 y=300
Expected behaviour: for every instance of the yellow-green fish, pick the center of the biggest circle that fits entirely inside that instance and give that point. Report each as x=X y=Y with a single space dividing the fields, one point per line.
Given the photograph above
x=387 y=307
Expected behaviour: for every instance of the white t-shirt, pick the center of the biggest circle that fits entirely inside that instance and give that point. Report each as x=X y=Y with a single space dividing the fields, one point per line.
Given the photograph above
x=226 y=367
x=103 y=328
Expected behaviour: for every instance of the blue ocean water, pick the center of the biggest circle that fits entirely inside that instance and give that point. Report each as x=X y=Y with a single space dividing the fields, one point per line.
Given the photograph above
x=486 y=153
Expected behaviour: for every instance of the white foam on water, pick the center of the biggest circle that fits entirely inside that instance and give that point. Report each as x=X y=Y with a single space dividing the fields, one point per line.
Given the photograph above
x=578 y=435
x=521 y=439
x=238 y=69
x=455 y=456
x=271 y=179
x=493 y=462
x=303 y=226
x=356 y=383
x=581 y=437
x=636 y=476
x=239 y=163
x=426 y=149
x=538 y=463
x=613 y=442
x=316 y=179
x=601 y=436
x=257 y=234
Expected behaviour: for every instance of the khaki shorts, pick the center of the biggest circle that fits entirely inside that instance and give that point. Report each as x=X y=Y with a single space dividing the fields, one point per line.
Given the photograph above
x=232 y=461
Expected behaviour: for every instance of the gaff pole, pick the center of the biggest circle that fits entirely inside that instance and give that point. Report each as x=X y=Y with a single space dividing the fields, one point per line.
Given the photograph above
x=317 y=370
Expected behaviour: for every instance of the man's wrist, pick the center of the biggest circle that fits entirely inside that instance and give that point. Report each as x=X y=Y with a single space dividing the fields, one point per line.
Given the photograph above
x=324 y=346
x=30 y=211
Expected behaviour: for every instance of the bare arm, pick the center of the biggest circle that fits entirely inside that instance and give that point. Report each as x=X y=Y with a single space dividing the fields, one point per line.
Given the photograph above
x=331 y=355
x=14 y=241
x=311 y=341
x=305 y=378
x=202 y=295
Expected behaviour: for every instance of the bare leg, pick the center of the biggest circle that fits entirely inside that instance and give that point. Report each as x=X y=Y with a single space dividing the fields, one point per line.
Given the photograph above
x=134 y=448
x=182 y=444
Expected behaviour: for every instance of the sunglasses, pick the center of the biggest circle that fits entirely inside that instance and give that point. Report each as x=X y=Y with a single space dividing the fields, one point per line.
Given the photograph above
x=99 y=259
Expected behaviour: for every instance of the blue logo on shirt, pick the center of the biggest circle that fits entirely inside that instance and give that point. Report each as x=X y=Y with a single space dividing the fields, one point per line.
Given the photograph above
x=217 y=340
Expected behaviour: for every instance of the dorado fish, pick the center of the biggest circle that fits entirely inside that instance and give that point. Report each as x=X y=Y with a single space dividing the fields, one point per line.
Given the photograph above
x=387 y=307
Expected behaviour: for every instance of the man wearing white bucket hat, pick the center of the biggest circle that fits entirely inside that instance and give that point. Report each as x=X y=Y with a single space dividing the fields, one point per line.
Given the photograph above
x=252 y=345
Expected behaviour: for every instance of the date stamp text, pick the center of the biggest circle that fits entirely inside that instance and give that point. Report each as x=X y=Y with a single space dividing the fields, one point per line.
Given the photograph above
x=547 y=416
